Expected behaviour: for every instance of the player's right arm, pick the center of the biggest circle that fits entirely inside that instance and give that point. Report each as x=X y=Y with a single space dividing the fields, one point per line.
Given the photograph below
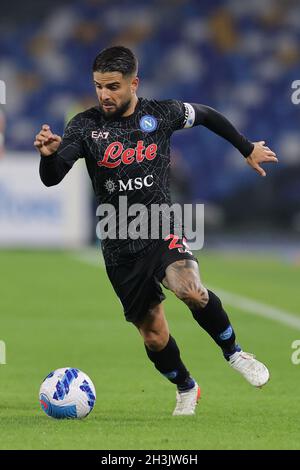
x=58 y=154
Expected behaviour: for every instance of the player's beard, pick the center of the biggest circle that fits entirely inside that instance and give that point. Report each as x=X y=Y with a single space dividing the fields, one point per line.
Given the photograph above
x=117 y=112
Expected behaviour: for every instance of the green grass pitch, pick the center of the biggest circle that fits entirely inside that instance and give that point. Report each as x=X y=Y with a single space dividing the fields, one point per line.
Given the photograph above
x=57 y=311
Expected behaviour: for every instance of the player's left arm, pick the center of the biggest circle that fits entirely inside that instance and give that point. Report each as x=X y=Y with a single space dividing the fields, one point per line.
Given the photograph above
x=254 y=152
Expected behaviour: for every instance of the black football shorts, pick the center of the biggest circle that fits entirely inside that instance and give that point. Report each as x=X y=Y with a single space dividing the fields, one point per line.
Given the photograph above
x=137 y=283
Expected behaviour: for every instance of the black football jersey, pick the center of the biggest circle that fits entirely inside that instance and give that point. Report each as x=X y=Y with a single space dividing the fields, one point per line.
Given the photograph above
x=128 y=161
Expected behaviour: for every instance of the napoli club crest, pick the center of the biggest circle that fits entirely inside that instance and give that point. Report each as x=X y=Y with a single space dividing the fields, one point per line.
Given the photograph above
x=148 y=123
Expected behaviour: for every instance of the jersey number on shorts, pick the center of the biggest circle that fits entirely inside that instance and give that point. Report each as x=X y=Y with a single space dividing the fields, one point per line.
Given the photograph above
x=182 y=247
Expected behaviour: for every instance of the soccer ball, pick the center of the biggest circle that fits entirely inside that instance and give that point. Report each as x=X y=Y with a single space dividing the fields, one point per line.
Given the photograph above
x=67 y=393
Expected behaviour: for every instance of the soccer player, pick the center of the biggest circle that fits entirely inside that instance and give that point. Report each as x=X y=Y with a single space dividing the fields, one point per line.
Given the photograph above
x=125 y=141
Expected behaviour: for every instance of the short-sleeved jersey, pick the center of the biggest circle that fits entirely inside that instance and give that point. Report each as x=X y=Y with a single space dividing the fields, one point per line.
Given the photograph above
x=129 y=156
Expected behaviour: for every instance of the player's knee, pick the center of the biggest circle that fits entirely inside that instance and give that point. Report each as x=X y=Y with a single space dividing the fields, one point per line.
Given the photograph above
x=155 y=341
x=194 y=296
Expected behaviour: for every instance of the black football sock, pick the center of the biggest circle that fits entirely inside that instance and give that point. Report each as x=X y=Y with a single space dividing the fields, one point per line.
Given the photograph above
x=168 y=362
x=214 y=320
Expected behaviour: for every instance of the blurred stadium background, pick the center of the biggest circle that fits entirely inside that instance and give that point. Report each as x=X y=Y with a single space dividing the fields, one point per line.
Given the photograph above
x=239 y=57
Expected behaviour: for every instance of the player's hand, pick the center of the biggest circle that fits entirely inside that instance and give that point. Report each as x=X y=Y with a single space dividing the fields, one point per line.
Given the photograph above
x=261 y=154
x=46 y=142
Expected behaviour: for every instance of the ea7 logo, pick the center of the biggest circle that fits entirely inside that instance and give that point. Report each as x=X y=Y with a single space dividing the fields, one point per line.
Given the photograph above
x=100 y=135
x=295 y=358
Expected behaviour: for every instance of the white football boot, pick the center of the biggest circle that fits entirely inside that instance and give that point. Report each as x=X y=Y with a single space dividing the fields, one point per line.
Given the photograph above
x=255 y=372
x=186 y=401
